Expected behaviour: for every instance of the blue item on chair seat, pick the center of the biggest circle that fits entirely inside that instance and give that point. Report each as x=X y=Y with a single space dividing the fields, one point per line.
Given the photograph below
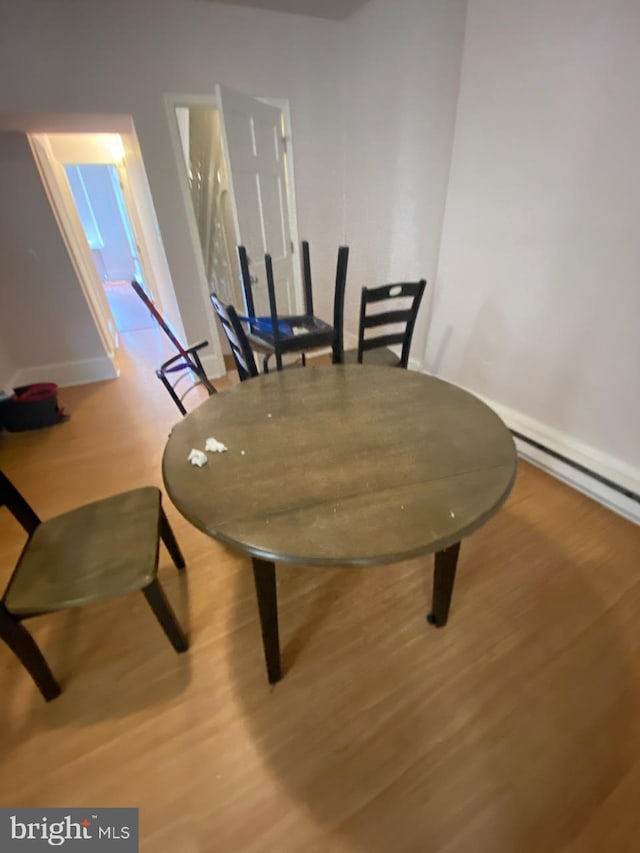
x=264 y=325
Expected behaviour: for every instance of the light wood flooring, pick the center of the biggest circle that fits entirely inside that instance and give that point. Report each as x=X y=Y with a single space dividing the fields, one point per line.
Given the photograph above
x=514 y=729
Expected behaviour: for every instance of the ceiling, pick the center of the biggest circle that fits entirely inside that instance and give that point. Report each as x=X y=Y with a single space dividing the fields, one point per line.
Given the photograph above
x=335 y=9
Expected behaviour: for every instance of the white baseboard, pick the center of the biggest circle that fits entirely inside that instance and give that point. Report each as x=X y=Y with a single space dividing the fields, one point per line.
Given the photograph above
x=595 y=460
x=67 y=373
x=606 y=496
x=214 y=365
x=584 y=454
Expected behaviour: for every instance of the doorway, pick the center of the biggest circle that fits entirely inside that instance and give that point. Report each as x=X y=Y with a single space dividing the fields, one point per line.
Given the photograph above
x=99 y=194
x=236 y=154
x=106 y=224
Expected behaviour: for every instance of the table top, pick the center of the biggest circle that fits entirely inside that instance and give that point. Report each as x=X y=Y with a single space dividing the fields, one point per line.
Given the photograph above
x=341 y=465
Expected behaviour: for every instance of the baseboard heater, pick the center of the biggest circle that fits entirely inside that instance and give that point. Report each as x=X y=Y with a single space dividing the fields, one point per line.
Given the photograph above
x=623 y=490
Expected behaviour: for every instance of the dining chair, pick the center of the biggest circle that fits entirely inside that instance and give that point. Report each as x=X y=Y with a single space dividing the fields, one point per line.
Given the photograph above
x=185 y=364
x=240 y=348
x=275 y=335
x=402 y=319
x=92 y=553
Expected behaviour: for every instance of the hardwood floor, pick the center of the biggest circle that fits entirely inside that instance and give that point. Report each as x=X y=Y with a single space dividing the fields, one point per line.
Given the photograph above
x=514 y=729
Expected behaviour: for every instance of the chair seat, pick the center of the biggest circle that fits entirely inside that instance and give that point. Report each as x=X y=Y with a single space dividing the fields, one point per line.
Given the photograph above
x=381 y=357
x=307 y=333
x=89 y=554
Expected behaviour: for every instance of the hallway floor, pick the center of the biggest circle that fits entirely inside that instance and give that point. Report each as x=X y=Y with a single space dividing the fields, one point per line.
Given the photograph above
x=128 y=310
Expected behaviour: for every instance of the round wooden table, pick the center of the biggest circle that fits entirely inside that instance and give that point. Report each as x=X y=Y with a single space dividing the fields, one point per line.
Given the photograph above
x=341 y=466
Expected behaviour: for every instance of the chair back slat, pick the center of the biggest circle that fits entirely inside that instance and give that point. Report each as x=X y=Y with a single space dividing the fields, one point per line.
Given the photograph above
x=273 y=311
x=17 y=505
x=413 y=290
x=383 y=341
x=306 y=278
x=245 y=279
x=386 y=318
x=394 y=291
x=338 y=305
x=240 y=349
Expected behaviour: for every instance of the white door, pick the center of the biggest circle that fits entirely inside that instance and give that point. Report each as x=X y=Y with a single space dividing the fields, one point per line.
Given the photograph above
x=252 y=135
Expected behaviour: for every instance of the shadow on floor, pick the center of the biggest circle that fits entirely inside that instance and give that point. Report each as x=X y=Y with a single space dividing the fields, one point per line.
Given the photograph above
x=485 y=735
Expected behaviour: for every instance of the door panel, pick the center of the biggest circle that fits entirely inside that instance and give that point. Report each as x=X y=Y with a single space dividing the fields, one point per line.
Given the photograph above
x=252 y=136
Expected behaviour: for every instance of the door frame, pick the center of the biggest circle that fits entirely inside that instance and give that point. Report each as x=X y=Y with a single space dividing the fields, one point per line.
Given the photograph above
x=173 y=100
x=65 y=212
x=119 y=182
x=51 y=167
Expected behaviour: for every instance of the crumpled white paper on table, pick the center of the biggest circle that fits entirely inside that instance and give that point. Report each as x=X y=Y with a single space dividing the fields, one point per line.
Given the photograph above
x=212 y=445
x=197 y=457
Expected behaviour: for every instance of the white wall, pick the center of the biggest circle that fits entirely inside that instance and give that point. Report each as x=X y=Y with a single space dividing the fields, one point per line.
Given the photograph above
x=7 y=369
x=538 y=295
x=120 y=57
x=44 y=317
x=403 y=66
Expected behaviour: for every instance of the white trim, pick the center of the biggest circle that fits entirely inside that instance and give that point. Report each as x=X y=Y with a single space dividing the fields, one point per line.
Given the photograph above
x=212 y=368
x=58 y=192
x=285 y=109
x=578 y=451
x=146 y=231
x=172 y=100
x=610 y=498
x=67 y=373
x=601 y=463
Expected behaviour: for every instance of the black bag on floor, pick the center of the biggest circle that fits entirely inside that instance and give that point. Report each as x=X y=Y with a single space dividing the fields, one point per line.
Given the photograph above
x=31 y=407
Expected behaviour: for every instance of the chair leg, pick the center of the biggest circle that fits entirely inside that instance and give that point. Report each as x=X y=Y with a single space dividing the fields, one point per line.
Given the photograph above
x=171 y=391
x=170 y=541
x=25 y=649
x=202 y=376
x=264 y=575
x=444 y=574
x=165 y=616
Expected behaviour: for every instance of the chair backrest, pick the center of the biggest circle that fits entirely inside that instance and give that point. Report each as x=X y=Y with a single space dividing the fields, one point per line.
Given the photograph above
x=405 y=316
x=338 y=298
x=17 y=505
x=240 y=349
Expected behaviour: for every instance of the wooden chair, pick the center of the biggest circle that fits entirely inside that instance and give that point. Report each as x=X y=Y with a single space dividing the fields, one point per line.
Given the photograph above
x=377 y=346
x=278 y=336
x=92 y=553
x=240 y=349
x=186 y=363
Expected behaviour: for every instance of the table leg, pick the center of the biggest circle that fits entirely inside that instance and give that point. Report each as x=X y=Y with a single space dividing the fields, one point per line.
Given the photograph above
x=444 y=574
x=264 y=575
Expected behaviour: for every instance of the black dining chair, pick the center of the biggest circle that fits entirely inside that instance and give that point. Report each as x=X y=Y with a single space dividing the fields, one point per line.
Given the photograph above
x=235 y=334
x=402 y=319
x=93 y=553
x=278 y=336
x=185 y=365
